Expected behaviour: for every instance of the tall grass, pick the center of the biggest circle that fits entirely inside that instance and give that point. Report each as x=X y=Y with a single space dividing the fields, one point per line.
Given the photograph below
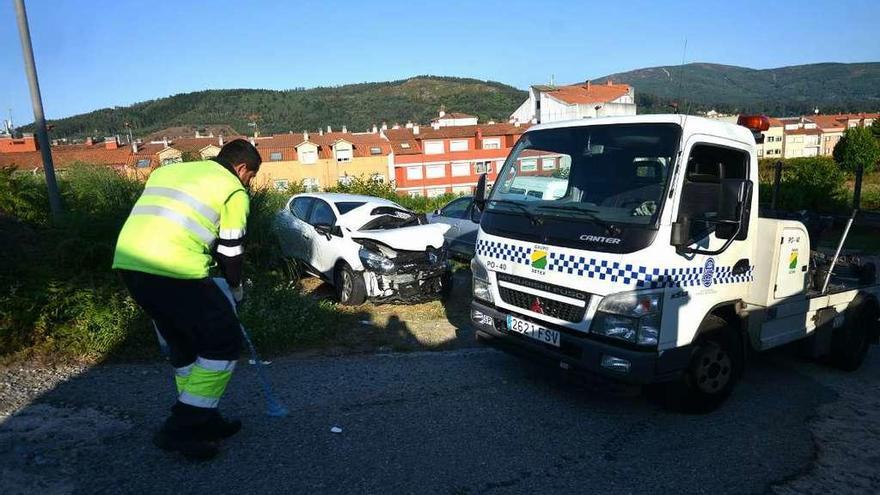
x=59 y=298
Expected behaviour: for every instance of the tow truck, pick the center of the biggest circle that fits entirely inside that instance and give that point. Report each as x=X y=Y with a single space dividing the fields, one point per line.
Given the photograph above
x=654 y=265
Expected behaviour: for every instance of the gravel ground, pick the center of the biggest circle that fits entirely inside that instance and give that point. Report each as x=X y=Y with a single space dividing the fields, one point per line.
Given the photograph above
x=458 y=422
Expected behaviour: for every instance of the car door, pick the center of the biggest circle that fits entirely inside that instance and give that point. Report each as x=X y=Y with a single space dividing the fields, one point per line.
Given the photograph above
x=293 y=227
x=325 y=248
x=453 y=214
x=466 y=242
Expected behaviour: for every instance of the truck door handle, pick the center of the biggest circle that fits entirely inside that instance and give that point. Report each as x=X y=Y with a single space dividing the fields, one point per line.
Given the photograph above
x=740 y=267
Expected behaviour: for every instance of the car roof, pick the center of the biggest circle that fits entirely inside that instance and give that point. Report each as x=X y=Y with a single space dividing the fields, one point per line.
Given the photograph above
x=349 y=198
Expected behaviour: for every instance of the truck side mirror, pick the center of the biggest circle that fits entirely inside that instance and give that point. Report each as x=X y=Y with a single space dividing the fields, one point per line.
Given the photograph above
x=681 y=231
x=734 y=193
x=480 y=193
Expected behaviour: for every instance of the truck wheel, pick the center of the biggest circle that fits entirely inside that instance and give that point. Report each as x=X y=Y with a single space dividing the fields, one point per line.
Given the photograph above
x=849 y=345
x=715 y=368
x=350 y=287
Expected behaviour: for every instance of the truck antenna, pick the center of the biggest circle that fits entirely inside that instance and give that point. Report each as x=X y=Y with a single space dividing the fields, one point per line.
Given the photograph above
x=681 y=77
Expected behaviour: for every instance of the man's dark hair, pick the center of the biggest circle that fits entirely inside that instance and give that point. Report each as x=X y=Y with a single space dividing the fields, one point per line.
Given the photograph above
x=239 y=151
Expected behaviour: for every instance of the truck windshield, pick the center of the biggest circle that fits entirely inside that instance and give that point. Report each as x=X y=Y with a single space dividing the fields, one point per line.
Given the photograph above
x=600 y=174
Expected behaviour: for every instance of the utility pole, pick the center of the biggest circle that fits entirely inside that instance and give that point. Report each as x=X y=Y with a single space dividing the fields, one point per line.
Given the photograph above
x=37 y=102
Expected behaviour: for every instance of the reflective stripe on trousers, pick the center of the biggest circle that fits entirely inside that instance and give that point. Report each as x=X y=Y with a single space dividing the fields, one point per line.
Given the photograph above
x=181 y=376
x=176 y=217
x=207 y=382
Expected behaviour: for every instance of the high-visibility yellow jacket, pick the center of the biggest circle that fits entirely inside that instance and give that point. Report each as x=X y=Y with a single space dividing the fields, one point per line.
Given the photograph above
x=185 y=209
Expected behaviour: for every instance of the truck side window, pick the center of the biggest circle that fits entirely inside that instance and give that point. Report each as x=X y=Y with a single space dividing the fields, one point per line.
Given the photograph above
x=707 y=166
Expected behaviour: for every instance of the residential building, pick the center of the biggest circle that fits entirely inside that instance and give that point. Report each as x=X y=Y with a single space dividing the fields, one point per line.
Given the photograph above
x=772 y=147
x=453 y=119
x=322 y=160
x=107 y=153
x=437 y=160
x=577 y=101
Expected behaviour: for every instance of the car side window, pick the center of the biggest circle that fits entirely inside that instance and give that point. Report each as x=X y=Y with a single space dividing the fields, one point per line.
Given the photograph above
x=707 y=167
x=456 y=209
x=300 y=208
x=322 y=214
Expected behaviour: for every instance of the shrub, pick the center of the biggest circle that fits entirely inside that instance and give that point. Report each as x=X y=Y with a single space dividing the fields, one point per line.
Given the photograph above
x=814 y=183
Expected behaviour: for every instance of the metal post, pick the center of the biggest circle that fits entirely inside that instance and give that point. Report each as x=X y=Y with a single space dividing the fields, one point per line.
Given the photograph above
x=37 y=102
x=857 y=195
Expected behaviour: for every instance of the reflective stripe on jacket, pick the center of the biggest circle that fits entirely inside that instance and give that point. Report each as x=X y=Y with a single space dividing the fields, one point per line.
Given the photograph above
x=176 y=222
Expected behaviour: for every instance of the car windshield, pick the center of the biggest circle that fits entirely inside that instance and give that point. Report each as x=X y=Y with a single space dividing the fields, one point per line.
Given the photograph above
x=599 y=173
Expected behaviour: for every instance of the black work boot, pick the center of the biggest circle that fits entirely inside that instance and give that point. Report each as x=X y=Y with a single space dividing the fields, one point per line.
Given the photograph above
x=217 y=428
x=190 y=448
x=178 y=434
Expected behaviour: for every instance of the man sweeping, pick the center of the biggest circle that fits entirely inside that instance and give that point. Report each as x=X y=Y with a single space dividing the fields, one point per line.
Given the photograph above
x=190 y=216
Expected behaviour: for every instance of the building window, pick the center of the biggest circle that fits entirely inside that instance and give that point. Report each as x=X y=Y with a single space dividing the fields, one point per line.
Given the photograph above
x=528 y=165
x=308 y=156
x=275 y=156
x=174 y=159
x=492 y=144
x=435 y=171
x=482 y=168
x=548 y=163
x=310 y=184
x=343 y=155
x=375 y=150
x=378 y=178
x=143 y=163
x=433 y=147
x=415 y=194
x=404 y=146
x=281 y=184
x=458 y=145
x=414 y=173
x=439 y=191
x=462 y=189
x=461 y=169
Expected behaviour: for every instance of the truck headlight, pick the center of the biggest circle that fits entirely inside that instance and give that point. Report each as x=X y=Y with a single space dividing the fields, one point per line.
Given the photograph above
x=482 y=287
x=630 y=316
x=376 y=261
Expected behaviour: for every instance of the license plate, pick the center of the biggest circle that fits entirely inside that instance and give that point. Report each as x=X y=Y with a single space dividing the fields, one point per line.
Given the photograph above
x=531 y=330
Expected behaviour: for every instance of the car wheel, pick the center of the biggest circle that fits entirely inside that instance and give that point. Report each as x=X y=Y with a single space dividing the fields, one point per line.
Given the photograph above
x=849 y=345
x=715 y=368
x=349 y=284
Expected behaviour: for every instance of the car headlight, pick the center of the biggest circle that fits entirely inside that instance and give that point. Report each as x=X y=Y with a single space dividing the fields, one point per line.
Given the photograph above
x=482 y=287
x=630 y=316
x=375 y=261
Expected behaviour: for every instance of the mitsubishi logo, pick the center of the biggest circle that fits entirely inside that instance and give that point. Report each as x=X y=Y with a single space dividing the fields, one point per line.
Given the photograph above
x=537 y=307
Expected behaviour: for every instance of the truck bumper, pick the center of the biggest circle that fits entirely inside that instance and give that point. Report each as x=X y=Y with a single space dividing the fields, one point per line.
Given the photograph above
x=581 y=353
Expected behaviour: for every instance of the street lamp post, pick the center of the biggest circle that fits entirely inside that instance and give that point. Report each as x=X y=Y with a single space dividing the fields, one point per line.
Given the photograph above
x=37 y=102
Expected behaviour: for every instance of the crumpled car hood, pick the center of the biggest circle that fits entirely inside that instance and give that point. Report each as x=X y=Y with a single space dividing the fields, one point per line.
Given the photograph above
x=415 y=238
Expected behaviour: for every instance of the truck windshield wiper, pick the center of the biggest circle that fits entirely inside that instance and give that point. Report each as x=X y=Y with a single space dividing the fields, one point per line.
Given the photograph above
x=535 y=220
x=591 y=214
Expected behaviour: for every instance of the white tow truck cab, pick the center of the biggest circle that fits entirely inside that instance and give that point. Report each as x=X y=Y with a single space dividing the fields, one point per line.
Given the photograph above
x=652 y=264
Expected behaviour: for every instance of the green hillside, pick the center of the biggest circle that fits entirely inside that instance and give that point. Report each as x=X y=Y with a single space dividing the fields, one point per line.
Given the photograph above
x=791 y=90
x=357 y=106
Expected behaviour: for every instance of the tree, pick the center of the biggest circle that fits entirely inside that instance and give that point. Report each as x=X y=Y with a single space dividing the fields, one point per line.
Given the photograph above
x=857 y=147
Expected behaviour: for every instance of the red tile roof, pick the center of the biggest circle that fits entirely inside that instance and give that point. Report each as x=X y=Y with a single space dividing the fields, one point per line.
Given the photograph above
x=588 y=93
x=62 y=158
x=805 y=132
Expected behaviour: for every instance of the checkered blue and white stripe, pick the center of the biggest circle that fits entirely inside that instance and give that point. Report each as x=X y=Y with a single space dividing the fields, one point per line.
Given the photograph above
x=616 y=272
x=504 y=251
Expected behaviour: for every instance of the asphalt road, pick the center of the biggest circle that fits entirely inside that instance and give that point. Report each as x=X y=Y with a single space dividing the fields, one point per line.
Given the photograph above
x=460 y=422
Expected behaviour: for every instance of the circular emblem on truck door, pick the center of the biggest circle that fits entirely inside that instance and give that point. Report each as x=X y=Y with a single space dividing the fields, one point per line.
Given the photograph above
x=708 y=272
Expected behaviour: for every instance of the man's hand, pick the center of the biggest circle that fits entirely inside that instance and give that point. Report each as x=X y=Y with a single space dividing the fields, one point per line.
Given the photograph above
x=238 y=293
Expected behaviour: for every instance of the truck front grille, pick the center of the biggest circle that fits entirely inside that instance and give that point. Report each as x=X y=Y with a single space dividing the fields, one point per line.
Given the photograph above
x=550 y=307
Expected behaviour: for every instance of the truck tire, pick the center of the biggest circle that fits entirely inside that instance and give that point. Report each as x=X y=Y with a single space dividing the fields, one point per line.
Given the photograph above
x=715 y=367
x=349 y=284
x=849 y=344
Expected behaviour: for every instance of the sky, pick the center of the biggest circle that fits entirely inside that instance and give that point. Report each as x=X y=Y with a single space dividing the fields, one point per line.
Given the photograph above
x=97 y=54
